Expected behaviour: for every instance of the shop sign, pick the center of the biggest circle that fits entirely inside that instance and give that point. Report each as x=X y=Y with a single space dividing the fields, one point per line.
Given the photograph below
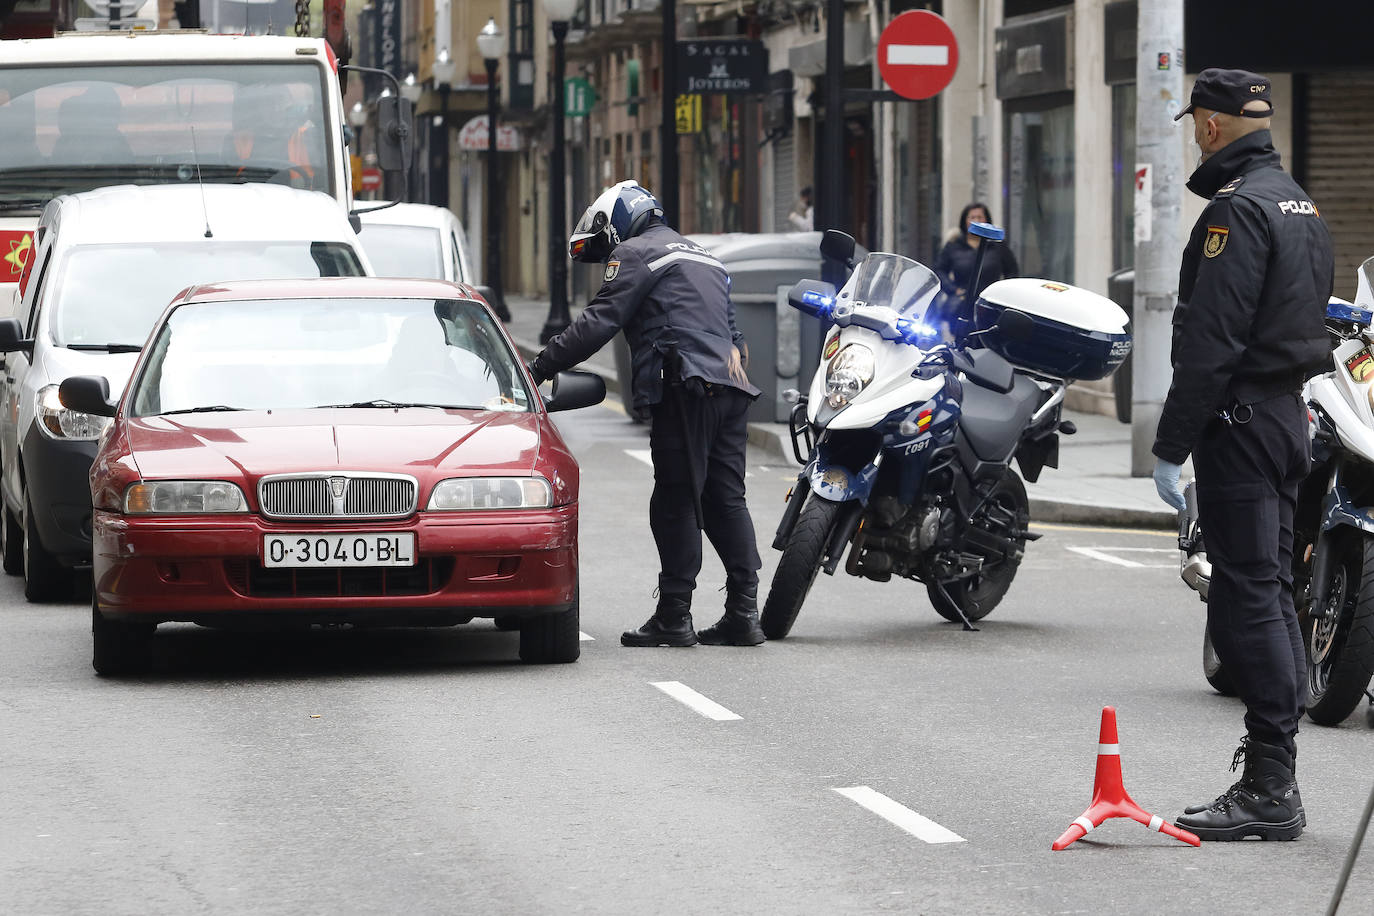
x=730 y=66
x=689 y=114
x=473 y=136
x=578 y=97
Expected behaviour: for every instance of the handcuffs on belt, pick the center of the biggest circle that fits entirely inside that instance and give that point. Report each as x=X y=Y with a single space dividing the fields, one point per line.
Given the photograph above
x=1231 y=416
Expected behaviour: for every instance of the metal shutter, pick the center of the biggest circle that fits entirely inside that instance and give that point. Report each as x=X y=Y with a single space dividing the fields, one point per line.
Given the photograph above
x=1338 y=176
x=784 y=182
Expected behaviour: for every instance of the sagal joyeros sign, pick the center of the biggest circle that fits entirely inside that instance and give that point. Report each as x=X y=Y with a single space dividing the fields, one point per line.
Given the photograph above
x=722 y=65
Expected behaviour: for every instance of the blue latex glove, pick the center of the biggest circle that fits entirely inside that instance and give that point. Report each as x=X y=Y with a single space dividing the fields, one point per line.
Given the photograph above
x=1166 y=483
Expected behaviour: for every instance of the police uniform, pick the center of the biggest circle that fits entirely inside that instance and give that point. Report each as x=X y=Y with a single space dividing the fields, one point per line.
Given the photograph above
x=1247 y=332
x=672 y=299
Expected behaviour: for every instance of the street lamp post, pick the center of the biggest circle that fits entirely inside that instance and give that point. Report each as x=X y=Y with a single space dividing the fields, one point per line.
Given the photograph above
x=444 y=71
x=491 y=44
x=559 y=12
x=411 y=91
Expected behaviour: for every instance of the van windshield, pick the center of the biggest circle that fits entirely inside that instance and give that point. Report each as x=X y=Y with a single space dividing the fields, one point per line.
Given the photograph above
x=74 y=128
x=113 y=294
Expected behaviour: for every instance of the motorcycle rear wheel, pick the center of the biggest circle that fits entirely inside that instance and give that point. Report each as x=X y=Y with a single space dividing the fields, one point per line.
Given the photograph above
x=801 y=560
x=1212 y=668
x=1340 y=646
x=977 y=595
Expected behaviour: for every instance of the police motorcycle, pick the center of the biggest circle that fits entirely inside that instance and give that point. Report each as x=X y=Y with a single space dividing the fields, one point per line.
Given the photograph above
x=908 y=434
x=1333 y=527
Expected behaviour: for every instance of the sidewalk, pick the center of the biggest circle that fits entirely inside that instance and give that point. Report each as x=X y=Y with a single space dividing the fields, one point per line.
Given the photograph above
x=1092 y=485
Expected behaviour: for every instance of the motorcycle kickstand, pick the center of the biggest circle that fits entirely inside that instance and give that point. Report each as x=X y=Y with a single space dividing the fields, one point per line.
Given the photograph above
x=968 y=625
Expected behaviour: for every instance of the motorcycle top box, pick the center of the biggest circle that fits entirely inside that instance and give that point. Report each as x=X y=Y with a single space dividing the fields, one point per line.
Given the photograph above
x=1076 y=334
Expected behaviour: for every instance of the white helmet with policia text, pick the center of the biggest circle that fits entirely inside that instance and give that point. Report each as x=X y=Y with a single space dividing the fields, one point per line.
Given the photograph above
x=620 y=213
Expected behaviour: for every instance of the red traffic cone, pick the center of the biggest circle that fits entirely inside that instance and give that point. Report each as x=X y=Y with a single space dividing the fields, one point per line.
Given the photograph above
x=1109 y=795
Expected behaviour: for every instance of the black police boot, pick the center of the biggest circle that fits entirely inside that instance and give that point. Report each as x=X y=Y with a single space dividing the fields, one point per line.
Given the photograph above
x=671 y=624
x=1263 y=803
x=1194 y=809
x=740 y=624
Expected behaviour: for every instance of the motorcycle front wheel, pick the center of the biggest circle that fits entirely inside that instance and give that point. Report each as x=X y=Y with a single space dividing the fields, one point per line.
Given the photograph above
x=1212 y=668
x=801 y=560
x=1339 y=637
x=1007 y=510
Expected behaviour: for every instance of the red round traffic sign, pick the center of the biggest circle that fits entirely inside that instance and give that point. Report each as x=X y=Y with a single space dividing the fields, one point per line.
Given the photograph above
x=917 y=54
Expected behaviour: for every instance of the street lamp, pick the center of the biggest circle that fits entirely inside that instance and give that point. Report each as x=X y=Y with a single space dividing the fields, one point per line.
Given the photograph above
x=559 y=12
x=491 y=44
x=411 y=91
x=444 y=72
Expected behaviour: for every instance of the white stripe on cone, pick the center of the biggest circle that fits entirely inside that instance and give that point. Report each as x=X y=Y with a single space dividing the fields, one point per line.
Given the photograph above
x=1086 y=824
x=1109 y=749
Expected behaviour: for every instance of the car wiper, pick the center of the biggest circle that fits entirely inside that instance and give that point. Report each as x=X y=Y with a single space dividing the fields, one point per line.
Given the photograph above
x=382 y=402
x=107 y=348
x=211 y=408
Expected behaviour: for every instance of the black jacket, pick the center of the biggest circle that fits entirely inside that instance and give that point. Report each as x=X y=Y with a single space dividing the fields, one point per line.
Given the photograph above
x=670 y=296
x=954 y=265
x=1252 y=293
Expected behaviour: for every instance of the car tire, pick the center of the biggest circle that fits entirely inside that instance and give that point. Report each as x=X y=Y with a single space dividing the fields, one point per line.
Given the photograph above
x=551 y=639
x=44 y=578
x=120 y=647
x=11 y=544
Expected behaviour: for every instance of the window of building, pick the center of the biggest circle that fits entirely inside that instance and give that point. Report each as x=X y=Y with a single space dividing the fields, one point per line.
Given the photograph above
x=1039 y=169
x=1123 y=176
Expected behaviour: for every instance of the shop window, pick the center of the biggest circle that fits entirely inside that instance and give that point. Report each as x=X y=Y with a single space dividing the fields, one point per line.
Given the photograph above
x=1038 y=200
x=1123 y=176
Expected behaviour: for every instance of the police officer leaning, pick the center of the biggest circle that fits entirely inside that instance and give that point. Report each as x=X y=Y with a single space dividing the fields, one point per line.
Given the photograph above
x=672 y=299
x=1247 y=332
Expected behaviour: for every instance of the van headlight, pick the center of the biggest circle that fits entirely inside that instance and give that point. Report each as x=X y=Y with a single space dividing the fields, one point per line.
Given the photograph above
x=849 y=373
x=460 y=493
x=57 y=422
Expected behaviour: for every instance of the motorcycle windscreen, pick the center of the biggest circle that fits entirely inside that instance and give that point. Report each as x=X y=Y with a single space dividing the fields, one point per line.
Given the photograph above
x=904 y=285
x=1364 y=295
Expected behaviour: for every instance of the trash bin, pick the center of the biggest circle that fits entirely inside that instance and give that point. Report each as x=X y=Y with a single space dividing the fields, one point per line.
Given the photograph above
x=1121 y=290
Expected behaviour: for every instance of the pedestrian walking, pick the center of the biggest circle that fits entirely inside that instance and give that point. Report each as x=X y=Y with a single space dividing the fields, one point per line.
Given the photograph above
x=803 y=215
x=1247 y=332
x=955 y=262
x=672 y=299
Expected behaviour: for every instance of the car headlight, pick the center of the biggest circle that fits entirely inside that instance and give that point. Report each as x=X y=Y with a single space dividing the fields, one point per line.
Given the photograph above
x=60 y=423
x=459 y=493
x=183 y=497
x=848 y=373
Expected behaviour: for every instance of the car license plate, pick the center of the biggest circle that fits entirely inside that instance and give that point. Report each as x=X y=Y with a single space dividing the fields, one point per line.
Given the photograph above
x=318 y=550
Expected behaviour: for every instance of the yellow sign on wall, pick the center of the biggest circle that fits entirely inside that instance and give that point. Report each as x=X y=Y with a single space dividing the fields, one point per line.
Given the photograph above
x=689 y=114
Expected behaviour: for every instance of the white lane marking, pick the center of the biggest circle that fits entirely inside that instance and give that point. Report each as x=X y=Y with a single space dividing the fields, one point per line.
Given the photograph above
x=583 y=637
x=641 y=454
x=918 y=55
x=1105 y=557
x=899 y=815
x=690 y=698
x=1102 y=553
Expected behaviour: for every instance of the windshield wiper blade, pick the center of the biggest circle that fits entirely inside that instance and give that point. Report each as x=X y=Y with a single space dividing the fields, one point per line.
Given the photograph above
x=381 y=402
x=107 y=348
x=211 y=408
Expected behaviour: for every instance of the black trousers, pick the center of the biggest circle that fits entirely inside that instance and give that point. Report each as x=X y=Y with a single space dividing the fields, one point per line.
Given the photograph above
x=709 y=431
x=1248 y=476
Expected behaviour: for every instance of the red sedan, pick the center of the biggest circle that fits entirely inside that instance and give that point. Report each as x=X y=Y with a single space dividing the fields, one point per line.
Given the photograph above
x=358 y=451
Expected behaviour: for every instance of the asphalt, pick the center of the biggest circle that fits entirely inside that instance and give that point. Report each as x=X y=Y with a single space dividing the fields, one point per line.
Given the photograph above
x=1092 y=485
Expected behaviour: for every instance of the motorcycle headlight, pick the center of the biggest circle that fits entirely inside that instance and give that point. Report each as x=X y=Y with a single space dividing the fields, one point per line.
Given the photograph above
x=849 y=373
x=461 y=493
x=60 y=423
x=183 y=497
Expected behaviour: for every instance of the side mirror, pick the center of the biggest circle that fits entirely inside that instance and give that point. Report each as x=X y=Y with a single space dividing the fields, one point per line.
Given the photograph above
x=812 y=297
x=572 y=390
x=838 y=246
x=87 y=394
x=395 y=134
x=1014 y=325
x=12 y=337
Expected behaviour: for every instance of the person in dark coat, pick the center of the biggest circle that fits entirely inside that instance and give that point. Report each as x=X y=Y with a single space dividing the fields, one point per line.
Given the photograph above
x=955 y=262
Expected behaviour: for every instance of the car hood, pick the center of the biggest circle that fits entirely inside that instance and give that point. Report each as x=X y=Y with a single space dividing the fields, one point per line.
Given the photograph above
x=423 y=442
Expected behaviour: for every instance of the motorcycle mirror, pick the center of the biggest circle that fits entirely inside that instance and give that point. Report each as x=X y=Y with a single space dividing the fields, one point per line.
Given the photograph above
x=838 y=246
x=1014 y=325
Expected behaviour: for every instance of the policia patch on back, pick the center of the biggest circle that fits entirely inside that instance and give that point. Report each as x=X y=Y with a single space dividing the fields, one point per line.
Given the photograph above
x=612 y=268
x=1216 y=240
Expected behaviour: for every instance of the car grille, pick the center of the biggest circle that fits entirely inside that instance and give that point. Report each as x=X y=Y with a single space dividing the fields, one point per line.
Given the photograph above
x=337 y=495
x=251 y=578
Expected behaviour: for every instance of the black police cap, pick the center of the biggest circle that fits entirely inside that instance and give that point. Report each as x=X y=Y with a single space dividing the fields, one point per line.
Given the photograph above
x=1227 y=91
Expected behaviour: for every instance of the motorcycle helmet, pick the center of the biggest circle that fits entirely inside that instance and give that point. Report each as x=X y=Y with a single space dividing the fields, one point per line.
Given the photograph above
x=620 y=213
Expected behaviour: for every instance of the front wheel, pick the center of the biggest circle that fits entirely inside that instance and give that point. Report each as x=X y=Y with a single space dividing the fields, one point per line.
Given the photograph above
x=552 y=639
x=1339 y=637
x=801 y=560
x=1212 y=668
x=1005 y=513
x=44 y=578
x=121 y=647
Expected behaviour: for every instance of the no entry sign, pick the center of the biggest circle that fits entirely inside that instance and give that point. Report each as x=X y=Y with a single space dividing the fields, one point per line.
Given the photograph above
x=917 y=54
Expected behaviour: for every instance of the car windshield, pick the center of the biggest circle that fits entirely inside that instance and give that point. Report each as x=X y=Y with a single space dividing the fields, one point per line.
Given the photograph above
x=900 y=283
x=74 y=128
x=115 y=293
x=309 y=353
x=403 y=251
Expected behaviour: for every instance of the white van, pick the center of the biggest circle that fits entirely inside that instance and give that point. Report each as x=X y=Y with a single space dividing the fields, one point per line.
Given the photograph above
x=104 y=266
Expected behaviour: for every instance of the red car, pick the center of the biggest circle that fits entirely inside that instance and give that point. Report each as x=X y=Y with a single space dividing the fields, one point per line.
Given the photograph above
x=360 y=451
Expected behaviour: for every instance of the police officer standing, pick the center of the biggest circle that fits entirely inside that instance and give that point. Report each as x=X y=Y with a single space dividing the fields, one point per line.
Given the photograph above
x=1248 y=331
x=672 y=299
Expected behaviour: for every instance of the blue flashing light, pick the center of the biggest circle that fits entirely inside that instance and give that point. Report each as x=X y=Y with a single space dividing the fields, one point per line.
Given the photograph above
x=917 y=334
x=1341 y=310
x=988 y=231
x=823 y=304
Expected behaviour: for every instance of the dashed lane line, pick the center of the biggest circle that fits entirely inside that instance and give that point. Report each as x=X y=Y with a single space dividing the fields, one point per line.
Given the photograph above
x=693 y=700
x=583 y=637
x=899 y=815
x=1102 y=554
x=641 y=454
